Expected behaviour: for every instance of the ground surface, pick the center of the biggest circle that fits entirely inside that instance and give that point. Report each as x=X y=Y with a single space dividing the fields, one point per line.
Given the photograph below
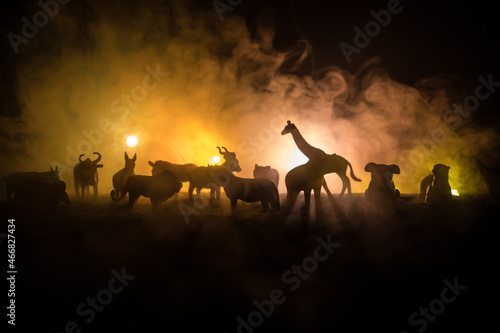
x=203 y=275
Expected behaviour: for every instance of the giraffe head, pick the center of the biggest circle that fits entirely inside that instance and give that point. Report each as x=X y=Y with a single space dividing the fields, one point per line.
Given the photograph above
x=288 y=128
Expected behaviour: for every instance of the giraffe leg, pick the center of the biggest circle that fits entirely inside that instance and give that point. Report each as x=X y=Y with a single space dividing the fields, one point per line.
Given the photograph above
x=346 y=184
x=307 y=199
x=317 y=202
x=291 y=197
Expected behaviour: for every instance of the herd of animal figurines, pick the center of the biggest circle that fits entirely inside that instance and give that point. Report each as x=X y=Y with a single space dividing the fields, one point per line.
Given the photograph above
x=47 y=190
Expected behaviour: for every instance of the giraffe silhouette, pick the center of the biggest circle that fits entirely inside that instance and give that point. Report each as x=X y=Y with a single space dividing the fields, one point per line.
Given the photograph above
x=310 y=176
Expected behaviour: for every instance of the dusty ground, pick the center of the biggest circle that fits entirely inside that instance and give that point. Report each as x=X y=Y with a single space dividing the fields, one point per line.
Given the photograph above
x=202 y=276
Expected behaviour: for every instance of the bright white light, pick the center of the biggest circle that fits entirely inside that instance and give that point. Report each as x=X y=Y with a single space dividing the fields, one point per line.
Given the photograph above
x=299 y=158
x=132 y=141
x=454 y=192
x=215 y=159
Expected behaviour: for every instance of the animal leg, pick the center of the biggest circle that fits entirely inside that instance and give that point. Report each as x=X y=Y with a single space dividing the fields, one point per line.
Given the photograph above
x=190 y=192
x=156 y=204
x=198 y=192
x=317 y=202
x=291 y=197
x=96 y=192
x=217 y=196
x=212 y=196
x=132 y=198
x=307 y=199
x=346 y=184
x=234 y=203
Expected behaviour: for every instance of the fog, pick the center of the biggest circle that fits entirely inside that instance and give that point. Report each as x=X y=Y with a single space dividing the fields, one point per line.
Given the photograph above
x=183 y=82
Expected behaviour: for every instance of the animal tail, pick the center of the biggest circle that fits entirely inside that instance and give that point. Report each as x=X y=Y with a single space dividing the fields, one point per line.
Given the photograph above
x=115 y=197
x=352 y=173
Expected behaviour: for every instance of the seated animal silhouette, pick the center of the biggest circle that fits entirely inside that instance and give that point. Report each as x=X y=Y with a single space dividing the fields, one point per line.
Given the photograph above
x=204 y=177
x=15 y=179
x=181 y=171
x=435 y=188
x=85 y=175
x=157 y=188
x=266 y=172
x=41 y=193
x=247 y=189
x=120 y=178
x=381 y=189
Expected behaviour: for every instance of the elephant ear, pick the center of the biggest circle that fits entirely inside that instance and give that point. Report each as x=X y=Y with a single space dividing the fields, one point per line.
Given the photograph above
x=394 y=169
x=369 y=167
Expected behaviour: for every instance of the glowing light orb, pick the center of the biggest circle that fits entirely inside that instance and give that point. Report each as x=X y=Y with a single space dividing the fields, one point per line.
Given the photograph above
x=132 y=141
x=454 y=192
x=215 y=159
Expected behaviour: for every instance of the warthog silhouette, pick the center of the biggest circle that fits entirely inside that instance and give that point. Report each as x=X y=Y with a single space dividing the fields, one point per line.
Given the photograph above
x=85 y=175
x=15 y=179
x=157 y=188
x=120 y=178
x=266 y=172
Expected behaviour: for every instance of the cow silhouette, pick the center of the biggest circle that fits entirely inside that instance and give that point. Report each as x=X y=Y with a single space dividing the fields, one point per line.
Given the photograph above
x=85 y=175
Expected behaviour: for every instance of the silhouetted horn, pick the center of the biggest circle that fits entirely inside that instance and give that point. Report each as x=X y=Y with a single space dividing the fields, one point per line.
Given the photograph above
x=80 y=157
x=220 y=152
x=98 y=157
x=225 y=149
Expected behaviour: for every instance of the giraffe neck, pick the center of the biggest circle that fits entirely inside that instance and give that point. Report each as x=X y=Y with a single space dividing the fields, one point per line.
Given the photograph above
x=303 y=146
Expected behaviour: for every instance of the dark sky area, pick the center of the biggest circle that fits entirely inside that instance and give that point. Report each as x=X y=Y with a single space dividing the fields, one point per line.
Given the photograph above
x=443 y=35
x=426 y=38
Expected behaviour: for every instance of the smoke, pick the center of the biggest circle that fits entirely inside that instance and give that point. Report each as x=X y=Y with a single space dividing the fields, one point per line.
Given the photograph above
x=184 y=82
